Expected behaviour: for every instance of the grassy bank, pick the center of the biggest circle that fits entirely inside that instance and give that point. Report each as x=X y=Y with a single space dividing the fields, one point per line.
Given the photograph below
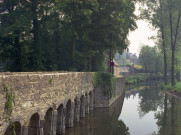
x=177 y=87
x=141 y=78
x=135 y=79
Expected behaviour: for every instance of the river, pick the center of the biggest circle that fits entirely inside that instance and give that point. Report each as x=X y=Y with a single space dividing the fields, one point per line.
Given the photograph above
x=142 y=112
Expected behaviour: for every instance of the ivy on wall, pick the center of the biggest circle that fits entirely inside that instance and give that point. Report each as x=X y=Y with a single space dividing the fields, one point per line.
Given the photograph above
x=8 y=108
x=107 y=81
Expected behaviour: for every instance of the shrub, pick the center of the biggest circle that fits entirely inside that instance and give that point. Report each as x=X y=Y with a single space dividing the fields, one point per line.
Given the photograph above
x=107 y=81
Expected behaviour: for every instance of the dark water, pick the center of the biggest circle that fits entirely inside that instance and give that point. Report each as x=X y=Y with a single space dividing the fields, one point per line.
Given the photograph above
x=144 y=112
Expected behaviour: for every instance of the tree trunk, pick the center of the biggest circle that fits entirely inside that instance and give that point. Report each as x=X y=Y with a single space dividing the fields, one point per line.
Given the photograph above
x=36 y=47
x=18 y=60
x=173 y=65
x=172 y=47
x=173 y=42
x=164 y=46
x=73 y=46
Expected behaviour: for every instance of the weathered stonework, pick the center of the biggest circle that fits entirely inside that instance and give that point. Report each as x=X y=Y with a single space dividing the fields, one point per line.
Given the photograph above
x=45 y=103
x=39 y=91
x=102 y=100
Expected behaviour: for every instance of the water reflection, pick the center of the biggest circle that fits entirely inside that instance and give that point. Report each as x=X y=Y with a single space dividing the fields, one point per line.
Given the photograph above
x=169 y=120
x=153 y=111
x=101 y=122
x=148 y=111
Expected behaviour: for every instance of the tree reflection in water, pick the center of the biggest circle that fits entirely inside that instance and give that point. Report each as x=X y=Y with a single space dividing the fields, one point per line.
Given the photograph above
x=151 y=98
x=102 y=121
x=167 y=109
x=153 y=102
x=169 y=119
x=164 y=108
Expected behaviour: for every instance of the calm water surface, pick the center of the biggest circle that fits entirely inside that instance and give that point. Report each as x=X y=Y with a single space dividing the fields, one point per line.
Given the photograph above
x=146 y=112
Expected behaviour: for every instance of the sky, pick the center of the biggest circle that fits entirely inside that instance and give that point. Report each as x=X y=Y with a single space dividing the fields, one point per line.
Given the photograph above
x=141 y=35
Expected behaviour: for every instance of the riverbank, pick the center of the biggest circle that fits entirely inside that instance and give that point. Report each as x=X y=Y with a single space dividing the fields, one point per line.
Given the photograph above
x=139 y=78
x=174 y=93
x=173 y=90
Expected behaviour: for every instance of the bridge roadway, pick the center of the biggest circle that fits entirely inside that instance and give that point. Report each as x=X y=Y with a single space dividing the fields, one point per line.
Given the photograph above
x=45 y=103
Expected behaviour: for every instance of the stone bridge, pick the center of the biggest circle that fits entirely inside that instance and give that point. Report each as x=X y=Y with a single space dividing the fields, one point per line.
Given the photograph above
x=44 y=103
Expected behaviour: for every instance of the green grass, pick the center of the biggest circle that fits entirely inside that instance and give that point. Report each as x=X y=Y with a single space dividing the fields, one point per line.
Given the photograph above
x=142 y=77
x=177 y=87
x=134 y=79
x=138 y=67
x=167 y=87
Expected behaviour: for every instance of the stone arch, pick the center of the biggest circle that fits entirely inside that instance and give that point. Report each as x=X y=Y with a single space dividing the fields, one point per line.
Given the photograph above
x=76 y=109
x=34 y=123
x=82 y=106
x=91 y=102
x=14 y=127
x=60 y=120
x=69 y=114
x=47 y=128
x=86 y=102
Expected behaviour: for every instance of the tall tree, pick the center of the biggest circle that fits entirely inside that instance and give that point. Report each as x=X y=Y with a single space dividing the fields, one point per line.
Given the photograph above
x=165 y=15
x=63 y=34
x=173 y=8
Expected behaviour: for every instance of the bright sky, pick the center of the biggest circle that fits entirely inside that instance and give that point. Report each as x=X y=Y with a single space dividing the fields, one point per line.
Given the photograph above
x=141 y=35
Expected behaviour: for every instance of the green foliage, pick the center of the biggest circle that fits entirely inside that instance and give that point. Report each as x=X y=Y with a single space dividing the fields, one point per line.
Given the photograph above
x=51 y=82
x=142 y=77
x=13 y=128
x=63 y=34
x=177 y=87
x=8 y=108
x=166 y=87
x=151 y=59
x=135 y=79
x=9 y=102
x=165 y=16
x=138 y=67
x=107 y=81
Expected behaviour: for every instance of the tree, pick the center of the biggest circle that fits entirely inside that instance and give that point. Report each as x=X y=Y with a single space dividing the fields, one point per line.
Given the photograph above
x=173 y=7
x=150 y=59
x=159 y=13
x=63 y=34
x=14 y=25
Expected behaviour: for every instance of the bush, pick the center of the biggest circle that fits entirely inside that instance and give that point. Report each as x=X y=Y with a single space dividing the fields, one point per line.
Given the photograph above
x=166 y=87
x=135 y=79
x=177 y=87
x=105 y=80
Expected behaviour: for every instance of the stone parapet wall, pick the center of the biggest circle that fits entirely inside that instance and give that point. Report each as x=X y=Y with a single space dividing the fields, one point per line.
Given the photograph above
x=117 y=70
x=36 y=92
x=120 y=90
x=102 y=100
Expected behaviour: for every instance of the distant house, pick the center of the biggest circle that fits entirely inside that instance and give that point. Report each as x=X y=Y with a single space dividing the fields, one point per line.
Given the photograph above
x=126 y=58
x=117 y=69
x=125 y=70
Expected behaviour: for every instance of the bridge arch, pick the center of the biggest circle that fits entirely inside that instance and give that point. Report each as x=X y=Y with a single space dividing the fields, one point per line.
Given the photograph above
x=47 y=128
x=82 y=106
x=60 y=119
x=87 y=98
x=91 y=102
x=77 y=109
x=13 y=127
x=68 y=114
x=34 y=124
